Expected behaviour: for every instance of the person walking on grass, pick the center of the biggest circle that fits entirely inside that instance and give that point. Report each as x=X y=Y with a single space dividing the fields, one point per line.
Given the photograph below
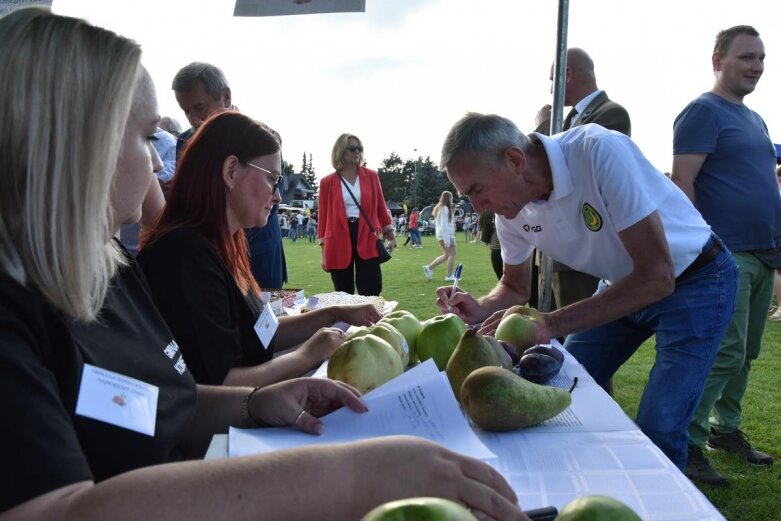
x=446 y=235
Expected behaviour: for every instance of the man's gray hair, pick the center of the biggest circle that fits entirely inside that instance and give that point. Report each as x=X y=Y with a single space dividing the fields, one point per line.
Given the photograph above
x=485 y=135
x=212 y=78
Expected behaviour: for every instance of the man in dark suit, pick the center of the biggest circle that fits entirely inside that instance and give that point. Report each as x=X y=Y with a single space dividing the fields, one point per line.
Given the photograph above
x=589 y=105
x=201 y=91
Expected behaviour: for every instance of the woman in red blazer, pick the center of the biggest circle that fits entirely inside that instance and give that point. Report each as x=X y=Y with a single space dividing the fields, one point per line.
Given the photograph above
x=349 y=243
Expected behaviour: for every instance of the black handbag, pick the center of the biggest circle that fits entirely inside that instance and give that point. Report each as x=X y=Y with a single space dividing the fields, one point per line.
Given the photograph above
x=382 y=251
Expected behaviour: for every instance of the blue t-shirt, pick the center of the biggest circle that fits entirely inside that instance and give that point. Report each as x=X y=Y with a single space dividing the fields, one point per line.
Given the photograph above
x=736 y=189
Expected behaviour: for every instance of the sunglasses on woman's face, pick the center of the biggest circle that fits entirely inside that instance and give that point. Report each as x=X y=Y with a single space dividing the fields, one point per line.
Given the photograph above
x=355 y=149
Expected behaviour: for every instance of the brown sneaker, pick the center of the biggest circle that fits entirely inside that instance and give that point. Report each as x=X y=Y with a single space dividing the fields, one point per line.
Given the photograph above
x=699 y=469
x=737 y=443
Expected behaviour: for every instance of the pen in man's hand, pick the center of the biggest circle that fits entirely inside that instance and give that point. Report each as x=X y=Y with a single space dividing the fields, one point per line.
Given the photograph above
x=456 y=278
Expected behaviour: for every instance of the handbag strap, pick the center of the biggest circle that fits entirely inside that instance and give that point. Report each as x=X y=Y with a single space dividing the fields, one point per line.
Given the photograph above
x=368 y=221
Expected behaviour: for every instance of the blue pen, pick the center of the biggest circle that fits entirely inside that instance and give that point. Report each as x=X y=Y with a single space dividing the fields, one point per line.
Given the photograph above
x=456 y=278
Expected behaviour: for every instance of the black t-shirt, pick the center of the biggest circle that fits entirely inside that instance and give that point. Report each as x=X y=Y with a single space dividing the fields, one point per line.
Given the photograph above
x=212 y=321
x=45 y=444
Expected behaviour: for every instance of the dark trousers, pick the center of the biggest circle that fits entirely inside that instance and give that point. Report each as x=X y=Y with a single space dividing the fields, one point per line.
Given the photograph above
x=363 y=274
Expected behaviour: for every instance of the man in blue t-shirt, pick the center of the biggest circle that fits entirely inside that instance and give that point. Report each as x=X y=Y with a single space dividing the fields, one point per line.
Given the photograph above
x=724 y=161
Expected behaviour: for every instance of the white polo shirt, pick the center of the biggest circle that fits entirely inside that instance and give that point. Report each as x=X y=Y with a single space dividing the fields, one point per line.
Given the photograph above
x=602 y=184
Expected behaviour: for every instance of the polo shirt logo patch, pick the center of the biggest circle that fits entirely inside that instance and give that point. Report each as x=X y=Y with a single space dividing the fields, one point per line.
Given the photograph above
x=535 y=228
x=591 y=217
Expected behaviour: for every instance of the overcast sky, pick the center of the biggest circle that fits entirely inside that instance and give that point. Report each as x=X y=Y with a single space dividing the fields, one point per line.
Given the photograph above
x=400 y=74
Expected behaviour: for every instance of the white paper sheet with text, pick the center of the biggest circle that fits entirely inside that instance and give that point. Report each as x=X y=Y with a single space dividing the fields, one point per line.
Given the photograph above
x=554 y=468
x=418 y=403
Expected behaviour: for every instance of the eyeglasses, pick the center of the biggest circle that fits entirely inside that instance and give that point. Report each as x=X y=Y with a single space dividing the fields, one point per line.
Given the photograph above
x=355 y=149
x=276 y=176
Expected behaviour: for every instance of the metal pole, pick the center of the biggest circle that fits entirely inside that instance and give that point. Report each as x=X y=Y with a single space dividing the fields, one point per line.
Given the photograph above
x=556 y=124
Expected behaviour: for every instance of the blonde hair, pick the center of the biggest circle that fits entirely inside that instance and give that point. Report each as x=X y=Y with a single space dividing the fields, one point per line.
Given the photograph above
x=340 y=146
x=66 y=90
x=445 y=200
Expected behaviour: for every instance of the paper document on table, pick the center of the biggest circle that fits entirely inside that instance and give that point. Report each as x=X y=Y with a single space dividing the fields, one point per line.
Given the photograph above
x=417 y=403
x=554 y=468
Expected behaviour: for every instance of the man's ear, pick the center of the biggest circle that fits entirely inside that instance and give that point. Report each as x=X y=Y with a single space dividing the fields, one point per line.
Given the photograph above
x=229 y=166
x=517 y=158
x=716 y=61
x=226 y=98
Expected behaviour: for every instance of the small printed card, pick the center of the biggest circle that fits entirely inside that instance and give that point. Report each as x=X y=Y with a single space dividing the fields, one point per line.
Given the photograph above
x=266 y=326
x=117 y=399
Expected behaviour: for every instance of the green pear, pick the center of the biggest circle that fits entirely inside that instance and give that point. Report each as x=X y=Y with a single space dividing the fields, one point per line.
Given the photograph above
x=596 y=508
x=499 y=400
x=439 y=338
x=408 y=325
x=365 y=362
x=473 y=351
x=504 y=358
x=420 y=509
x=516 y=329
x=394 y=337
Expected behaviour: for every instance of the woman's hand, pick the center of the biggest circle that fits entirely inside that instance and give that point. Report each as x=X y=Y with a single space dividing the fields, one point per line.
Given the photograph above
x=302 y=401
x=321 y=345
x=391 y=244
x=413 y=467
x=358 y=315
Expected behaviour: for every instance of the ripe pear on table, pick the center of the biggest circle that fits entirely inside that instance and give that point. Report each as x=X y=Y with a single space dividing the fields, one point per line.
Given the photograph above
x=499 y=400
x=472 y=352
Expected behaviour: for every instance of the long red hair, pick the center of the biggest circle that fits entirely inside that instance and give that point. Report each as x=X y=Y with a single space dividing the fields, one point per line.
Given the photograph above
x=197 y=197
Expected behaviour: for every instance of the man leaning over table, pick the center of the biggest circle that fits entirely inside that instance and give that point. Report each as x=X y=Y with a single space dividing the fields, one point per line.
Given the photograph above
x=589 y=198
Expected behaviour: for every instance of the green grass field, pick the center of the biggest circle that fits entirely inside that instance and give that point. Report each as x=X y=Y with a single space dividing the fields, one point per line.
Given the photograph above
x=756 y=492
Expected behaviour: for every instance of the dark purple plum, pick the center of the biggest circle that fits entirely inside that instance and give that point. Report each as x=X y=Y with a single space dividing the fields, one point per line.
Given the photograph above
x=538 y=368
x=513 y=351
x=545 y=350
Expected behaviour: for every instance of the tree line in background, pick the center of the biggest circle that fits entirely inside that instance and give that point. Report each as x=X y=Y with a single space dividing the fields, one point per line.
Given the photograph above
x=417 y=182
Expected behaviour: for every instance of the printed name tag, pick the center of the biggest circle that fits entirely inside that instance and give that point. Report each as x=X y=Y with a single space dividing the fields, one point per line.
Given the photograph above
x=266 y=326
x=117 y=399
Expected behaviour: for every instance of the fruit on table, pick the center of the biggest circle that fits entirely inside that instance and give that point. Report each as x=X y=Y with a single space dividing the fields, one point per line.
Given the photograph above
x=439 y=338
x=499 y=400
x=473 y=351
x=420 y=509
x=596 y=508
x=504 y=358
x=394 y=337
x=408 y=325
x=540 y=363
x=517 y=329
x=365 y=362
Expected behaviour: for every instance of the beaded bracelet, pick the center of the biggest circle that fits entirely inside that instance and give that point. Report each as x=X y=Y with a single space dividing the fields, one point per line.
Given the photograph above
x=246 y=415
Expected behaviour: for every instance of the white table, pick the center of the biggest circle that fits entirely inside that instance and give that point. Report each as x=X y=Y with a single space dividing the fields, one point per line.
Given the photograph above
x=554 y=463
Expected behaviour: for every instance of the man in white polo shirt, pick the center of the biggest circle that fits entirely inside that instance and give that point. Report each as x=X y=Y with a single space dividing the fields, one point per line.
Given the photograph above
x=589 y=198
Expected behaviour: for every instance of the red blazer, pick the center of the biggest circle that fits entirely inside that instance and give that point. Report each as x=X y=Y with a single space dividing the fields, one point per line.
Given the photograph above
x=332 y=219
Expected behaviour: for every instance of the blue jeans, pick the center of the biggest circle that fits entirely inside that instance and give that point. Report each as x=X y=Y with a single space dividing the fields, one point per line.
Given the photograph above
x=414 y=235
x=689 y=325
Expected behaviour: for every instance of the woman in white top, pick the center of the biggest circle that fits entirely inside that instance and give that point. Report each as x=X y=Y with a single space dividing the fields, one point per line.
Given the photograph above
x=446 y=234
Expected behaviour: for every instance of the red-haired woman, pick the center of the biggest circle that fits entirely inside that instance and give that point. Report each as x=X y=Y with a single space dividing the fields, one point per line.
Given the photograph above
x=197 y=264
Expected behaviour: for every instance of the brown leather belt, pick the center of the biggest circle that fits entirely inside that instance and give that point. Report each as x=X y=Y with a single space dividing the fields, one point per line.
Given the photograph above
x=702 y=259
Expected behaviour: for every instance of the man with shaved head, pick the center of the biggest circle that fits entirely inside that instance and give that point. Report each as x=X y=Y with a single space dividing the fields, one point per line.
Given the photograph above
x=589 y=105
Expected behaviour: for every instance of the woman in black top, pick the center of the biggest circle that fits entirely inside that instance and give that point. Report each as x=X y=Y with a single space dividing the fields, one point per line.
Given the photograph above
x=96 y=398
x=197 y=265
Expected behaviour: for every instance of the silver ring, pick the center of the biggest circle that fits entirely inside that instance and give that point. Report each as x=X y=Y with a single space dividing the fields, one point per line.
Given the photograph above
x=303 y=411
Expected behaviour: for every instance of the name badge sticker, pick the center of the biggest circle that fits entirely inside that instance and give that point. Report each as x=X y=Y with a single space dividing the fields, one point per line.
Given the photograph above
x=117 y=399
x=266 y=326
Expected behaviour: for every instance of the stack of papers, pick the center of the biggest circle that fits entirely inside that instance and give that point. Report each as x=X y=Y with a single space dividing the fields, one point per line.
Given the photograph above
x=420 y=403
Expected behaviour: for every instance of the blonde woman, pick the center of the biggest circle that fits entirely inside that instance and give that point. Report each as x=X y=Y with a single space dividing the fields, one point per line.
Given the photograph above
x=109 y=411
x=445 y=230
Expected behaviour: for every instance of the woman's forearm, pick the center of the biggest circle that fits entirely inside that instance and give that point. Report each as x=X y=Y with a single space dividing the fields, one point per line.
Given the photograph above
x=284 y=367
x=297 y=329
